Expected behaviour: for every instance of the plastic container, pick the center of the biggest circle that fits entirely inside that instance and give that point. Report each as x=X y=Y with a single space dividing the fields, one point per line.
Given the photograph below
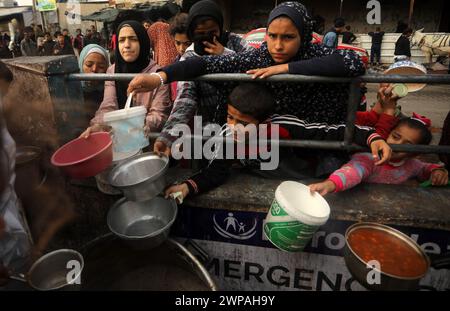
x=295 y=215
x=128 y=129
x=29 y=175
x=407 y=67
x=85 y=157
x=102 y=179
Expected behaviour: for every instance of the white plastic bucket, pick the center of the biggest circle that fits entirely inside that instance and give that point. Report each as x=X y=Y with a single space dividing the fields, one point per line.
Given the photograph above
x=128 y=129
x=407 y=67
x=295 y=215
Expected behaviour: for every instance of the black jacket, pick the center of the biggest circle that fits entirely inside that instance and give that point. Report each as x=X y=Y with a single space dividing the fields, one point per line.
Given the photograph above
x=402 y=46
x=47 y=48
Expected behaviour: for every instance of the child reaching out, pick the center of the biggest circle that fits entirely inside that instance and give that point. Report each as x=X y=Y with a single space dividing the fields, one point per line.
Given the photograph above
x=402 y=166
x=252 y=103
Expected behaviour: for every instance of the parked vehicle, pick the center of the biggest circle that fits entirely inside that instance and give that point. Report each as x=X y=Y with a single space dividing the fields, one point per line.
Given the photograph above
x=257 y=36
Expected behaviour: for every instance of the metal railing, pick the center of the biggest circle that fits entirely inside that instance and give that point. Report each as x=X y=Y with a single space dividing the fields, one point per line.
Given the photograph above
x=353 y=102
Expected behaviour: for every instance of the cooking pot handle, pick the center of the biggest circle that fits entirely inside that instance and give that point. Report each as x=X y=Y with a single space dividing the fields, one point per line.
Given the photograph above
x=441 y=261
x=199 y=252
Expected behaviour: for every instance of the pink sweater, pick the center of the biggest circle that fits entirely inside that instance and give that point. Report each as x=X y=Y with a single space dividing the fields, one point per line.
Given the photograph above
x=361 y=168
x=157 y=102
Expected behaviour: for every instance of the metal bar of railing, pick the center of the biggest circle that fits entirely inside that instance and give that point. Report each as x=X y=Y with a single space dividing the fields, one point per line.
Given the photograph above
x=240 y=77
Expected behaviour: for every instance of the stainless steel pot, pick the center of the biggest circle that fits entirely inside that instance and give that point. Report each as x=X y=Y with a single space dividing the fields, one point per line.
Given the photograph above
x=53 y=272
x=359 y=269
x=111 y=265
x=141 y=177
x=142 y=225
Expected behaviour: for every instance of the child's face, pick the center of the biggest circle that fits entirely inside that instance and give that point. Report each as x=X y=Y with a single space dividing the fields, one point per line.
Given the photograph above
x=61 y=39
x=403 y=134
x=235 y=117
x=283 y=40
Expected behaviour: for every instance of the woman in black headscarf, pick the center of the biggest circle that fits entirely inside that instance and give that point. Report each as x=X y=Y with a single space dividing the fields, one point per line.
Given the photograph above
x=132 y=55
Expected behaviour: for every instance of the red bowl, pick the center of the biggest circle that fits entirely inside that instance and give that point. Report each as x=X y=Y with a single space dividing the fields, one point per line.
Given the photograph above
x=85 y=157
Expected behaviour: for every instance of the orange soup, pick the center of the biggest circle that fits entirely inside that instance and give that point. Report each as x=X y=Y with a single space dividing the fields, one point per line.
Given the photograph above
x=396 y=257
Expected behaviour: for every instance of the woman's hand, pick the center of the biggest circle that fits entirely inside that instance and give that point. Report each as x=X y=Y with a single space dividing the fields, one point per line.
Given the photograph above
x=160 y=148
x=269 y=71
x=380 y=147
x=439 y=177
x=183 y=188
x=323 y=187
x=96 y=128
x=146 y=82
x=215 y=48
x=2 y=226
x=4 y=274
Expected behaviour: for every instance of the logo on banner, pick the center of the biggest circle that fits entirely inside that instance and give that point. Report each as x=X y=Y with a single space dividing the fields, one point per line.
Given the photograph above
x=46 y=5
x=232 y=227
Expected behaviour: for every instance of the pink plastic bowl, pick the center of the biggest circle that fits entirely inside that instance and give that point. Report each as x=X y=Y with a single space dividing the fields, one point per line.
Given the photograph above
x=85 y=157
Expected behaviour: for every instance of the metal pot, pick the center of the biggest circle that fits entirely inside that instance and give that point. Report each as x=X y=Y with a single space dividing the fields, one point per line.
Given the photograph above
x=142 y=225
x=141 y=177
x=388 y=282
x=51 y=271
x=110 y=265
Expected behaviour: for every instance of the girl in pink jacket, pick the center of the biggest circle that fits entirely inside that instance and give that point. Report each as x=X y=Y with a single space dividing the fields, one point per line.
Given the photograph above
x=402 y=166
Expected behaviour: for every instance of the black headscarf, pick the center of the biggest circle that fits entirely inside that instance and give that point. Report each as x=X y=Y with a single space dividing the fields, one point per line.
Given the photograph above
x=121 y=66
x=299 y=15
x=204 y=8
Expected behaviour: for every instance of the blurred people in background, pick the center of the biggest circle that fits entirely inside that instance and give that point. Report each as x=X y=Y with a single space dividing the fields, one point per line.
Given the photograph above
x=403 y=46
x=27 y=46
x=62 y=46
x=78 y=41
x=332 y=36
x=47 y=47
x=162 y=43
